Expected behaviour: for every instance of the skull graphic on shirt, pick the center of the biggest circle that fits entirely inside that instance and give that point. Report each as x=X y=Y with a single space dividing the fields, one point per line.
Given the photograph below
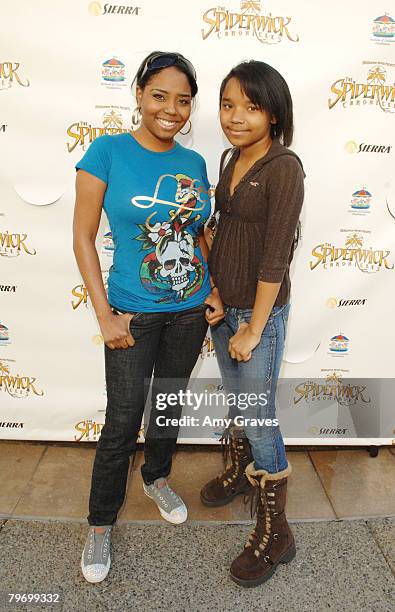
x=175 y=259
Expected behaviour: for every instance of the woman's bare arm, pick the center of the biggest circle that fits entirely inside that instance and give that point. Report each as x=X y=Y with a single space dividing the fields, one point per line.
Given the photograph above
x=88 y=208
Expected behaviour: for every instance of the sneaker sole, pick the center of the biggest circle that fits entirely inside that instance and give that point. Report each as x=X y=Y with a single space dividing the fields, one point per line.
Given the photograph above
x=165 y=514
x=88 y=579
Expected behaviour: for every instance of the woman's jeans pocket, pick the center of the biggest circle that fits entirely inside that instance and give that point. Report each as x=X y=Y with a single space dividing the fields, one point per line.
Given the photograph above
x=136 y=316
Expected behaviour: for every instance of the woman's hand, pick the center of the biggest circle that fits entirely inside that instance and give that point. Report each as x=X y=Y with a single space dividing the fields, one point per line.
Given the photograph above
x=115 y=330
x=214 y=316
x=243 y=343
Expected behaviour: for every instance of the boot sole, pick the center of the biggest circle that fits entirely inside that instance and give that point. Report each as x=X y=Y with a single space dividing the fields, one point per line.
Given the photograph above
x=222 y=502
x=286 y=558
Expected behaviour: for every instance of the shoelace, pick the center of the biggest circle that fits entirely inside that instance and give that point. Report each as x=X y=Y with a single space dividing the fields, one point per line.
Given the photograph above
x=255 y=541
x=227 y=441
x=174 y=494
x=251 y=498
x=230 y=473
x=94 y=540
x=225 y=444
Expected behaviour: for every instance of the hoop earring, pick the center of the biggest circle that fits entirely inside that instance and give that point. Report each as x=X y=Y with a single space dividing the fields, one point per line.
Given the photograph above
x=190 y=128
x=136 y=116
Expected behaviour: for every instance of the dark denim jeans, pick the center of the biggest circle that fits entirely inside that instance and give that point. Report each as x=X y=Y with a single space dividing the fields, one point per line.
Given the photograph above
x=168 y=343
x=256 y=376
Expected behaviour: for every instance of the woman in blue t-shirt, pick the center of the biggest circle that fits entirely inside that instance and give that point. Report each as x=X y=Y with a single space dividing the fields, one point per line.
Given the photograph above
x=156 y=196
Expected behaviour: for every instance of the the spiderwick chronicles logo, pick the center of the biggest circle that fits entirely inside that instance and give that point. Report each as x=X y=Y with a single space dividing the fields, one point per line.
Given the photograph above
x=376 y=90
x=327 y=255
x=80 y=292
x=12 y=245
x=248 y=22
x=83 y=133
x=332 y=389
x=9 y=75
x=88 y=430
x=17 y=386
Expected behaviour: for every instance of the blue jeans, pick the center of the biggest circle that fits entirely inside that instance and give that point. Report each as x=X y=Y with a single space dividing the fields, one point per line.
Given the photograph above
x=257 y=376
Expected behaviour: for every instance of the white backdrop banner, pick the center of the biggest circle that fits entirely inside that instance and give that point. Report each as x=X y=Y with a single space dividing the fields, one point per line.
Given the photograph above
x=65 y=73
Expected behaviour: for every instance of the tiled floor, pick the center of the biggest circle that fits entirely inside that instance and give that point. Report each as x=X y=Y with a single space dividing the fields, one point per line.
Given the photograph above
x=52 y=481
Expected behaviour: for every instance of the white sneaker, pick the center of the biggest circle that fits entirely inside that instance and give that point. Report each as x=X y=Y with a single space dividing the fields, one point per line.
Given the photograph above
x=170 y=505
x=96 y=557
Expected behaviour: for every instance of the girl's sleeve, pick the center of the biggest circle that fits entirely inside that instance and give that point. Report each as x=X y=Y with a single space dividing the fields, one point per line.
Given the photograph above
x=285 y=199
x=97 y=159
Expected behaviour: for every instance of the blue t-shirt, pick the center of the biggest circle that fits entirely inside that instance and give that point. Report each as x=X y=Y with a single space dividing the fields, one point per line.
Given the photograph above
x=156 y=204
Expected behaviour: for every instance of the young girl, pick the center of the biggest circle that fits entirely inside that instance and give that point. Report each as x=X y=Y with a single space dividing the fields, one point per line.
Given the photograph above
x=259 y=199
x=155 y=193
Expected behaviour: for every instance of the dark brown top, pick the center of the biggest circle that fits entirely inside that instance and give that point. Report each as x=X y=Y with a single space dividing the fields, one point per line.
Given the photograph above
x=256 y=228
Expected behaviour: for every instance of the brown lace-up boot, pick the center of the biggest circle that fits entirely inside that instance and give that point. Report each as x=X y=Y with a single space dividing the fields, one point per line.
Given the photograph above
x=233 y=481
x=272 y=541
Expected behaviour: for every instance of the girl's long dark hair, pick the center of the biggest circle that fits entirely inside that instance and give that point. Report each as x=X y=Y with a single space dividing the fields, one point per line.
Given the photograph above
x=268 y=90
